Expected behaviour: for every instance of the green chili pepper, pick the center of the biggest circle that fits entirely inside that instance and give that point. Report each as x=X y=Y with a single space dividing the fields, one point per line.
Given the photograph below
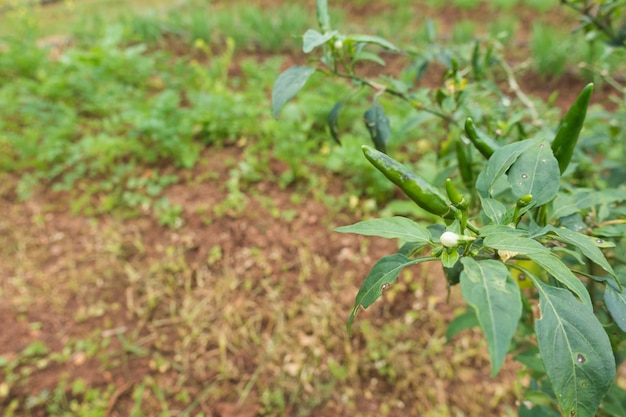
x=524 y=201
x=569 y=130
x=485 y=144
x=465 y=164
x=456 y=198
x=416 y=187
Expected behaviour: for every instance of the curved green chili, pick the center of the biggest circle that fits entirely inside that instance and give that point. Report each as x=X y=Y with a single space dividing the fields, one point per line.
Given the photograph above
x=569 y=130
x=456 y=198
x=465 y=164
x=416 y=187
x=485 y=144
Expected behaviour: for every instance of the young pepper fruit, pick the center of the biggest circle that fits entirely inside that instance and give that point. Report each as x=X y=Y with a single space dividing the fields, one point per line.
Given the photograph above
x=569 y=130
x=485 y=144
x=416 y=187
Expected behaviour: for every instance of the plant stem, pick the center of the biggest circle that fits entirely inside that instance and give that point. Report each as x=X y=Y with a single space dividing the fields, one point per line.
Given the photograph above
x=384 y=88
x=519 y=93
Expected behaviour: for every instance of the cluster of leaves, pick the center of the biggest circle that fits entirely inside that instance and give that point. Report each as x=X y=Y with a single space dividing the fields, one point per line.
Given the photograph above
x=531 y=218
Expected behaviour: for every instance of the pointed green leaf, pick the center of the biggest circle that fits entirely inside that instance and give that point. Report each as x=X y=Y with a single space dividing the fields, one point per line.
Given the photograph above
x=390 y=228
x=494 y=229
x=586 y=246
x=373 y=39
x=531 y=358
x=499 y=162
x=288 y=84
x=382 y=274
x=323 y=18
x=575 y=349
x=368 y=56
x=312 y=39
x=333 y=119
x=409 y=249
x=541 y=255
x=493 y=209
x=377 y=124
x=615 y=301
x=555 y=267
x=461 y=322
x=513 y=242
x=563 y=205
x=535 y=172
x=488 y=287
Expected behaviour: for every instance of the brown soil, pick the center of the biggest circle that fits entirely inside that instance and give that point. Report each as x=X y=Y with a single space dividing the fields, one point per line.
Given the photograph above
x=42 y=237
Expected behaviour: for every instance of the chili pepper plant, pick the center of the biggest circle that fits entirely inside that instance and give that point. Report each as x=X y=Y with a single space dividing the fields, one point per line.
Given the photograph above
x=514 y=229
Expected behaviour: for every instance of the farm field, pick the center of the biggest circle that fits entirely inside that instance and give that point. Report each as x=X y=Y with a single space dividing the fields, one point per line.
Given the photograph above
x=168 y=247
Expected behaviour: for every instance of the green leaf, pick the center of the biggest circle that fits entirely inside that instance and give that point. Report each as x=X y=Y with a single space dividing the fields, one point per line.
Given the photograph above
x=615 y=301
x=497 y=165
x=583 y=199
x=586 y=246
x=409 y=249
x=382 y=274
x=368 y=56
x=493 y=209
x=323 y=18
x=288 y=84
x=461 y=322
x=612 y=230
x=449 y=260
x=312 y=39
x=390 y=228
x=333 y=119
x=513 y=242
x=555 y=267
x=373 y=39
x=575 y=349
x=494 y=229
x=377 y=124
x=488 y=287
x=542 y=256
x=536 y=172
x=531 y=358
x=563 y=206
x=615 y=402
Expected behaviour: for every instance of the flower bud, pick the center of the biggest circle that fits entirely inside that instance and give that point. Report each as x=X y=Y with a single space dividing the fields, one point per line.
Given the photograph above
x=449 y=239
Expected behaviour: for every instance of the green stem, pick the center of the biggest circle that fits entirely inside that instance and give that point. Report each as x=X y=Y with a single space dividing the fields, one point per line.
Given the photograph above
x=473 y=228
x=380 y=87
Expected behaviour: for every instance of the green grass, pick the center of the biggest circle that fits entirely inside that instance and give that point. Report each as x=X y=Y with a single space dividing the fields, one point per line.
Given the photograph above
x=550 y=50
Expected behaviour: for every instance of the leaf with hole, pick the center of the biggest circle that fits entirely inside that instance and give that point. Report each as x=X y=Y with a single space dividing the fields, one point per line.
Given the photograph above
x=535 y=172
x=384 y=272
x=498 y=164
x=576 y=351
